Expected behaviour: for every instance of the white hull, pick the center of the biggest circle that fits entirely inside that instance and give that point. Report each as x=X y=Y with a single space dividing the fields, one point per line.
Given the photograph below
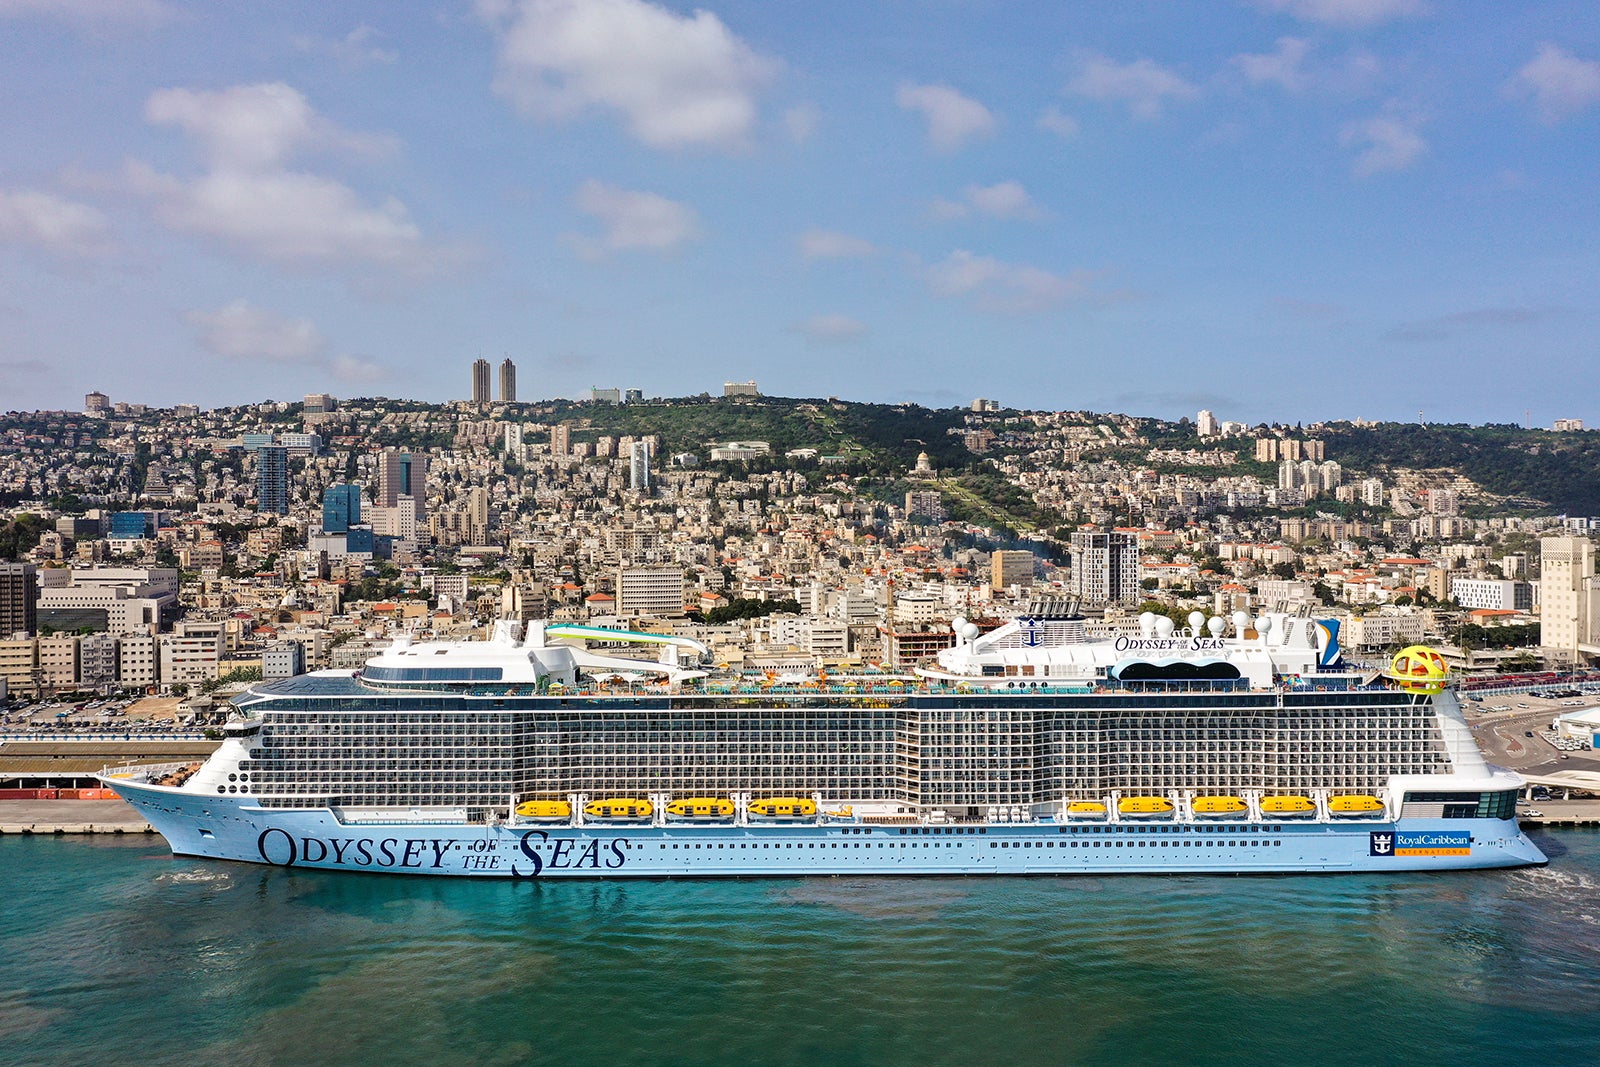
x=228 y=828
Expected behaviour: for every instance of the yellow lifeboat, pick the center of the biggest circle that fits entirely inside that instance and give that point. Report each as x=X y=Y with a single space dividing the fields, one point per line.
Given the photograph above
x=1144 y=807
x=544 y=810
x=846 y=812
x=700 y=808
x=783 y=808
x=1288 y=807
x=1086 y=809
x=619 y=808
x=1354 y=806
x=1218 y=807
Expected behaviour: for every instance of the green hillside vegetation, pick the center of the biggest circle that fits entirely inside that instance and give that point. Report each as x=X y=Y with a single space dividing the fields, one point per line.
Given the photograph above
x=880 y=438
x=1558 y=470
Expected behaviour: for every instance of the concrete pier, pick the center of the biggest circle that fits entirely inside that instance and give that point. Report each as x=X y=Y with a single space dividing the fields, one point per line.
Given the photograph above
x=70 y=817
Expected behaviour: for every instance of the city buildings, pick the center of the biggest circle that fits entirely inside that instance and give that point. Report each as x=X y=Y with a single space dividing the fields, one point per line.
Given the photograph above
x=508 y=380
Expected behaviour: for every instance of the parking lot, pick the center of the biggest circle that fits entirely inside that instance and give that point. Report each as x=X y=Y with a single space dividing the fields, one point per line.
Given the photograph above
x=121 y=715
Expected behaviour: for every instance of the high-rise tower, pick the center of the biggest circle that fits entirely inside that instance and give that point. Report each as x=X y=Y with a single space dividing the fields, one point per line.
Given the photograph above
x=508 y=381
x=403 y=474
x=272 y=479
x=480 y=381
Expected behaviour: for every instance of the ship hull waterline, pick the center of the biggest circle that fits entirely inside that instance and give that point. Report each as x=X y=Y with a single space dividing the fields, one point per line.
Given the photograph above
x=236 y=829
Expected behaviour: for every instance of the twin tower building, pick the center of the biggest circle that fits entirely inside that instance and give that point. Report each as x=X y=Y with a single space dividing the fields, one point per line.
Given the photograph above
x=480 y=381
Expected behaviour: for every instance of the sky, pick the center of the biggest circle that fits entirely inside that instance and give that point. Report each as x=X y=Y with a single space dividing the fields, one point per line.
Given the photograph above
x=1277 y=210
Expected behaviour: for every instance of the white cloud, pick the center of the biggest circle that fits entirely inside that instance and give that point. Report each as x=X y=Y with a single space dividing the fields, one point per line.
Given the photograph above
x=1559 y=83
x=831 y=329
x=1059 y=123
x=1348 y=13
x=1390 y=141
x=1005 y=288
x=355 y=371
x=801 y=122
x=952 y=119
x=829 y=244
x=240 y=330
x=249 y=199
x=255 y=127
x=1284 y=68
x=1143 y=85
x=358 y=48
x=52 y=224
x=679 y=81
x=1003 y=200
x=90 y=14
x=631 y=220
x=287 y=217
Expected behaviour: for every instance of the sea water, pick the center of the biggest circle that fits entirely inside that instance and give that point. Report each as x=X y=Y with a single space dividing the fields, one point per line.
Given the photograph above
x=112 y=951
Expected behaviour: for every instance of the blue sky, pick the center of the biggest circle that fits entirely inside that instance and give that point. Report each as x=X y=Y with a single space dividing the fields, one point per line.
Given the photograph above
x=1275 y=209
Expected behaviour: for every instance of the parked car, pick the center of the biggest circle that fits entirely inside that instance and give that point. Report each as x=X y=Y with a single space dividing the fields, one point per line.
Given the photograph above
x=1534 y=813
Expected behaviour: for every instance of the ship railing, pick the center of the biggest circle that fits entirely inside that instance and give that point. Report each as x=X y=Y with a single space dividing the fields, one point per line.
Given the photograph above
x=144 y=772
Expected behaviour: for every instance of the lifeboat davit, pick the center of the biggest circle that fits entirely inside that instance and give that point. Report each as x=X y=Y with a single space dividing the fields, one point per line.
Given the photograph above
x=619 y=808
x=1145 y=808
x=1288 y=807
x=1354 y=806
x=1086 y=809
x=783 y=808
x=544 y=810
x=1218 y=807
x=700 y=808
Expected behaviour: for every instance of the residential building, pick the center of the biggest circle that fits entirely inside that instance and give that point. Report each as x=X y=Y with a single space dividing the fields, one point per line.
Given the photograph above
x=285 y=659
x=1105 y=566
x=272 y=480
x=19 y=664
x=1008 y=567
x=190 y=659
x=97 y=661
x=138 y=666
x=58 y=661
x=927 y=503
x=1495 y=594
x=19 y=596
x=653 y=590
x=1569 y=600
x=480 y=381
x=639 y=467
x=508 y=380
x=740 y=388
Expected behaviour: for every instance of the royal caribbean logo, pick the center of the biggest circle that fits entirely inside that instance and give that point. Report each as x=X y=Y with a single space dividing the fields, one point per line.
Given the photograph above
x=1420 y=843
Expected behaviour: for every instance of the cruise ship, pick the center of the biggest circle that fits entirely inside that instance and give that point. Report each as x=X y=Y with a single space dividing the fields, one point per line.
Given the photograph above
x=1232 y=745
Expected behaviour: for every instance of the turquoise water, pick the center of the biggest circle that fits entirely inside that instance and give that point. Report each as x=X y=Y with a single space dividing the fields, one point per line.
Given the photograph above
x=114 y=952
